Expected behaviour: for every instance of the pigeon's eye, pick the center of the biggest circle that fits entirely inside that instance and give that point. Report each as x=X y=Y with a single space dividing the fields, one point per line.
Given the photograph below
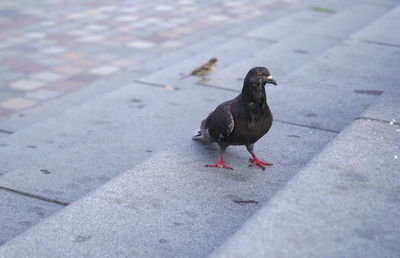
x=258 y=74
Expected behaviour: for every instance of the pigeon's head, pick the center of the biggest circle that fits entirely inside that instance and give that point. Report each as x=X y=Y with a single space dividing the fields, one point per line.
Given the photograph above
x=259 y=76
x=213 y=60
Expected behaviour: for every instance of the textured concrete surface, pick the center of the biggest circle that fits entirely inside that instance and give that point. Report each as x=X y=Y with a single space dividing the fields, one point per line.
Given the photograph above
x=19 y=212
x=172 y=206
x=298 y=48
x=287 y=25
x=227 y=53
x=384 y=30
x=344 y=203
x=386 y=108
x=45 y=137
x=55 y=50
x=52 y=107
x=73 y=153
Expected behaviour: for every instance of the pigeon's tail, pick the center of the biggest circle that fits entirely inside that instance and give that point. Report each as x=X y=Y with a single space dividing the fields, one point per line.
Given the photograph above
x=183 y=77
x=200 y=137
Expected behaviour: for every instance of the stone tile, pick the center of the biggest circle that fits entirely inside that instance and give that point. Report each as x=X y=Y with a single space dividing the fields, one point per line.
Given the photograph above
x=4 y=111
x=48 y=76
x=47 y=23
x=123 y=63
x=85 y=77
x=51 y=61
x=85 y=62
x=18 y=103
x=126 y=18
x=53 y=50
x=60 y=37
x=34 y=35
x=42 y=94
x=104 y=70
x=65 y=85
x=172 y=44
x=124 y=38
x=23 y=65
x=141 y=44
x=129 y=10
x=95 y=27
x=68 y=69
x=91 y=38
x=161 y=7
x=27 y=84
x=10 y=76
x=78 y=33
x=72 y=55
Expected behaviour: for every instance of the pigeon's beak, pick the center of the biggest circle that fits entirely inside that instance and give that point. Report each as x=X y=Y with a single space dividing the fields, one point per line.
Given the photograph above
x=269 y=79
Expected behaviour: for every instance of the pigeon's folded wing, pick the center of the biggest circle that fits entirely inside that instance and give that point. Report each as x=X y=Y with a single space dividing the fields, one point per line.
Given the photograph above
x=220 y=122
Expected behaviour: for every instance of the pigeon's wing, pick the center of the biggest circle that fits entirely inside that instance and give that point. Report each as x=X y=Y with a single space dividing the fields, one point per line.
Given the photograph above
x=220 y=123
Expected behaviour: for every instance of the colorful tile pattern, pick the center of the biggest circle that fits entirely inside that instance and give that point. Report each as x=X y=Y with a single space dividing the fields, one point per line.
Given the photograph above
x=51 y=47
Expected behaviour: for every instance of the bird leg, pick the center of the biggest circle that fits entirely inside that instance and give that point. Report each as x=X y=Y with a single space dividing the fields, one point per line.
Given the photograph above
x=255 y=161
x=220 y=164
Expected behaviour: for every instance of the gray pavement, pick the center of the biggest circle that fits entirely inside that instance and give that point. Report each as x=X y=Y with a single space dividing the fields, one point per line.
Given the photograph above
x=344 y=203
x=145 y=127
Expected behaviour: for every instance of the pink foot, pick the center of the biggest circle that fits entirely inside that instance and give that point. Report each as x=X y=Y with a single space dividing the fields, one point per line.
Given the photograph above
x=220 y=164
x=256 y=162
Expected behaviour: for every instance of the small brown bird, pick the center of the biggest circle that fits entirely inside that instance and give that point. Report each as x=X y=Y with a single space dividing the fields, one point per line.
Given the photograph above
x=204 y=70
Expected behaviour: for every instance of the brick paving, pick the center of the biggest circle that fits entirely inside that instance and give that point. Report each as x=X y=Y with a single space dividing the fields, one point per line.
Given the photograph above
x=52 y=47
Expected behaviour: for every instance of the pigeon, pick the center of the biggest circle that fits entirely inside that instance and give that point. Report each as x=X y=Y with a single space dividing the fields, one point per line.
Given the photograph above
x=242 y=120
x=204 y=70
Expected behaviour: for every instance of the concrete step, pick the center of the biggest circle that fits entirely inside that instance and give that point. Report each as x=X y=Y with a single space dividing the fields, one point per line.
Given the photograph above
x=25 y=118
x=150 y=62
x=26 y=146
x=172 y=74
x=63 y=131
x=345 y=202
x=302 y=46
x=111 y=132
x=171 y=201
x=29 y=145
x=383 y=31
x=20 y=149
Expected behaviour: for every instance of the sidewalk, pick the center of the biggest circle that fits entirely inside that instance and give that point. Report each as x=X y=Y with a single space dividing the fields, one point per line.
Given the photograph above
x=48 y=50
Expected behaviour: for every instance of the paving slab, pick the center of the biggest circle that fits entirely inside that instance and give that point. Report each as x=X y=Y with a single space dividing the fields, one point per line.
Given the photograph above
x=386 y=108
x=294 y=51
x=60 y=183
x=120 y=133
x=336 y=24
x=228 y=53
x=344 y=203
x=167 y=59
x=103 y=37
x=28 y=145
x=344 y=23
x=385 y=30
x=171 y=205
x=19 y=213
x=50 y=108
x=75 y=125
x=322 y=114
x=330 y=91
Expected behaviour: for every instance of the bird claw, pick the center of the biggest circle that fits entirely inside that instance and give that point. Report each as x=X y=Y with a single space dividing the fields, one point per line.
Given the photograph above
x=219 y=165
x=259 y=163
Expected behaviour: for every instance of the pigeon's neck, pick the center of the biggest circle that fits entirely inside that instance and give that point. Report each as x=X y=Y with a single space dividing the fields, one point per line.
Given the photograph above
x=254 y=93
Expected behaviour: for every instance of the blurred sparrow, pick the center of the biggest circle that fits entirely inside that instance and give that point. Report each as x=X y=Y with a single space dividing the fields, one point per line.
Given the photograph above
x=204 y=70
